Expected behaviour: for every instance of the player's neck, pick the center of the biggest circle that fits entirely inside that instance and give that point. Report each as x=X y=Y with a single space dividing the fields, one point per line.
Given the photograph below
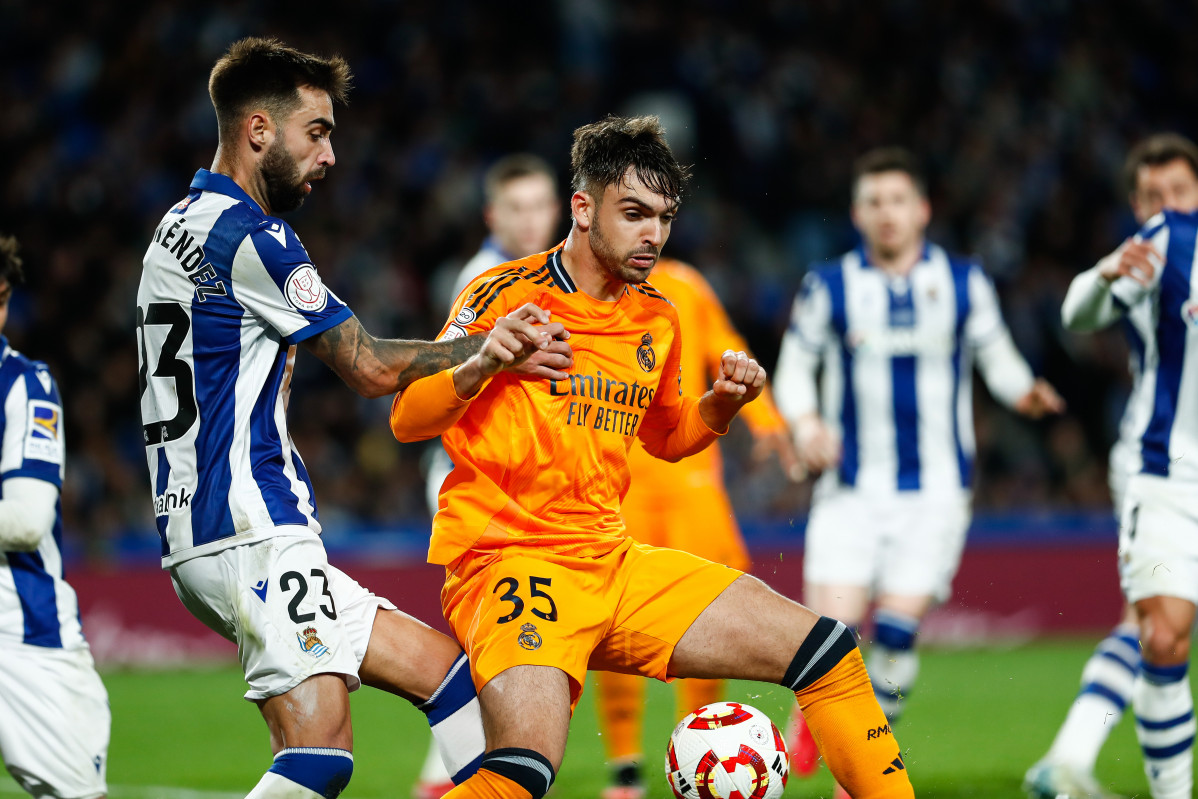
x=248 y=178
x=898 y=263
x=588 y=274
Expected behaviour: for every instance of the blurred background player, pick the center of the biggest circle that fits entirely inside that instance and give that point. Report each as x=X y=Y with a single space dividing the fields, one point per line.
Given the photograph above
x=683 y=505
x=896 y=325
x=1161 y=172
x=522 y=213
x=1148 y=283
x=54 y=722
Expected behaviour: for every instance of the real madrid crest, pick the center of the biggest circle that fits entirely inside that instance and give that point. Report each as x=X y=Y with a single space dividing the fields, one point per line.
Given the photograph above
x=644 y=353
x=529 y=637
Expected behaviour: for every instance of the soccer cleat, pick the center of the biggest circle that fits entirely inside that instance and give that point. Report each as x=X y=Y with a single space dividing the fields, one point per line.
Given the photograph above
x=804 y=754
x=431 y=790
x=626 y=783
x=1048 y=780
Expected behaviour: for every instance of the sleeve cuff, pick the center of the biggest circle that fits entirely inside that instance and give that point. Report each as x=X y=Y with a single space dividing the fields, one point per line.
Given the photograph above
x=319 y=326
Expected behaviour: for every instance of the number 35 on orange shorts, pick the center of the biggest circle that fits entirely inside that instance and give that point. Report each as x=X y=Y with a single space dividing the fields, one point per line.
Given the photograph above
x=624 y=610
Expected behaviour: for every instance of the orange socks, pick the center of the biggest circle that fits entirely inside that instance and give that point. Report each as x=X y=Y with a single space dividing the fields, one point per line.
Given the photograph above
x=836 y=696
x=694 y=694
x=488 y=785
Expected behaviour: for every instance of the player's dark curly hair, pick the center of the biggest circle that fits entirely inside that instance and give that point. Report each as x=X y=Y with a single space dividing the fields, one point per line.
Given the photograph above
x=604 y=151
x=10 y=262
x=1158 y=150
x=265 y=73
x=889 y=159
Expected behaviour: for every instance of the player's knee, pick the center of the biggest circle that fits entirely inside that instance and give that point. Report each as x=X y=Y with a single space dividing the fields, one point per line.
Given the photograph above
x=531 y=770
x=323 y=771
x=1163 y=644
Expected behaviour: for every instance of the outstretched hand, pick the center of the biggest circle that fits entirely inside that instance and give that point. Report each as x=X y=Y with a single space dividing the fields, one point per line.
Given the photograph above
x=1137 y=260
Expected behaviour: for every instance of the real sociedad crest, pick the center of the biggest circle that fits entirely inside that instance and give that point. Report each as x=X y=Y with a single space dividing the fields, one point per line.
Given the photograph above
x=311 y=644
x=645 y=355
x=529 y=637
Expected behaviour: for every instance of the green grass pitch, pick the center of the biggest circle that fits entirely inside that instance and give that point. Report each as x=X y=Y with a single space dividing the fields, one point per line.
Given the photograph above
x=978 y=720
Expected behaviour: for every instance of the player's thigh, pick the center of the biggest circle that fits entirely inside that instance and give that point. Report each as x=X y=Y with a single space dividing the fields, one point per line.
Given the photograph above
x=658 y=593
x=923 y=539
x=748 y=632
x=54 y=727
x=842 y=542
x=406 y=657
x=275 y=599
x=1158 y=540
x=528 y=707
x=531 y=608
x=846 y=603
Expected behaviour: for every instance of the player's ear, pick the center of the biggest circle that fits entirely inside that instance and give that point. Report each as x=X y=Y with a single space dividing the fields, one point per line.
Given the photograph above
x=582 y=208
x=259 y=130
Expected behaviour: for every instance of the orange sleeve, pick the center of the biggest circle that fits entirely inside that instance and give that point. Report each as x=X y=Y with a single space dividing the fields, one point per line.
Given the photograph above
x=673 y=427
x=762 y=414
x=430 y=406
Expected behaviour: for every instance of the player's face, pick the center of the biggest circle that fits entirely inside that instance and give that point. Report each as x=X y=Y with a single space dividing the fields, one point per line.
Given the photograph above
x=300 y=152
x=1169 y=185
x=524 y=215
x=889 y=212
x=629 y=227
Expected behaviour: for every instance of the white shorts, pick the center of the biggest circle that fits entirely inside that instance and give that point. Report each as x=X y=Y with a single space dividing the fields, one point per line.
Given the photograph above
x=1158 y=539
x=907 y=544
x=1119 y=469
x=291 y=614
x=54 y=721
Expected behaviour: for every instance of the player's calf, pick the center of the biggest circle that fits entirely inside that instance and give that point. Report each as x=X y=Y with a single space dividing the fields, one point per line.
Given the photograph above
x=893 y=660
x=834 y=691
x=306 y=773
x=453 y=714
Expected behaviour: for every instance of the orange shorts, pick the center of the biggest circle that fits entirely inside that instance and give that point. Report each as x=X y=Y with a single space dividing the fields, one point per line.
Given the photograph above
x=699 y=522
x=621 y=611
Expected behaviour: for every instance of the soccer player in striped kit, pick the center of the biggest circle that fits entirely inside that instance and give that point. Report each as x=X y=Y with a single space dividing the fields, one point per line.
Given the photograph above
x=897 y=325
x=54 y=719
x=227 y=294
x=1148 y=283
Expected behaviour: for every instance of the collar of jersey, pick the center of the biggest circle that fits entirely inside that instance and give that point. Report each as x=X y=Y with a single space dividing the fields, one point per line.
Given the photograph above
x=926 y=255
x=223 y=184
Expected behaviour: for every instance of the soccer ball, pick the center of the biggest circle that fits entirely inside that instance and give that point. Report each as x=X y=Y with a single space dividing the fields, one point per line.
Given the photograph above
x=727 y=751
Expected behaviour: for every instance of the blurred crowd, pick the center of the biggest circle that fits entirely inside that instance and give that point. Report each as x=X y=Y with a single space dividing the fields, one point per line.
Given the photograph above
x=1022 y=109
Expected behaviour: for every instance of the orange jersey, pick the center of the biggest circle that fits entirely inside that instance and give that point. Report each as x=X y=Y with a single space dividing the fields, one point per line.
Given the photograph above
x=545 y=462
x=709 y=332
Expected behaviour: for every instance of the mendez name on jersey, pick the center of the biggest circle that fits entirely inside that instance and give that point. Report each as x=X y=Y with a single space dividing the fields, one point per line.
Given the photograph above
x=226 y=294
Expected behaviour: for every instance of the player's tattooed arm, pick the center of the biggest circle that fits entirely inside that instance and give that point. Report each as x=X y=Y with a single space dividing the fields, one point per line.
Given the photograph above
x=376 y=367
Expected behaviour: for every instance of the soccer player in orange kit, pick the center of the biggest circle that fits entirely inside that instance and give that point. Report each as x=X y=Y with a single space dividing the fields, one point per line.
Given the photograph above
x=541 y=581
x=685 y=506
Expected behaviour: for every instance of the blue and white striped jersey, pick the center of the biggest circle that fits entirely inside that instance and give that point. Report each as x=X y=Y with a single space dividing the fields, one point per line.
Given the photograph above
x=1161 y=322
x=897 y=354
x=226 y=293
x=37 y=606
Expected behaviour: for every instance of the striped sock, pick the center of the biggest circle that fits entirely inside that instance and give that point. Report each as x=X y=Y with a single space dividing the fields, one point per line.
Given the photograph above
x=456 y=720
x=1165 y=727
x=1107 y=681
x=893 y=662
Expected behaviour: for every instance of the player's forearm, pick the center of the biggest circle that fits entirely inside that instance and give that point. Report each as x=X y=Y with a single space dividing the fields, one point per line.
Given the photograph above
x=794 y=379
x=1089 y=304
x=689 y=435
x=428 y=407
x=1007 y=375
x=376 y=367
x=26 y=514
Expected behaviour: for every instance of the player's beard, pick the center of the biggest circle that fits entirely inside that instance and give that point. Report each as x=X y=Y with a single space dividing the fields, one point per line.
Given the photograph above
x=281 y=175
x=615 y=264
